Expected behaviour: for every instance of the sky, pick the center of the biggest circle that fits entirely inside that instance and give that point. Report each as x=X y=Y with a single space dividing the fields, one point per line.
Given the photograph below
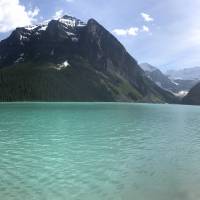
x=164 y=33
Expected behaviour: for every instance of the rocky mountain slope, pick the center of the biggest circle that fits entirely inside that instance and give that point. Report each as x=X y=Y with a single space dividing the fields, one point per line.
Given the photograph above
x=179 y=87
x=193 y=97
x=69 y=60
x=159 y=78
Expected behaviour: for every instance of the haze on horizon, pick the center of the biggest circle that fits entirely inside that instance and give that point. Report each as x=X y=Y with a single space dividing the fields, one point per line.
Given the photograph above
x=165 y=33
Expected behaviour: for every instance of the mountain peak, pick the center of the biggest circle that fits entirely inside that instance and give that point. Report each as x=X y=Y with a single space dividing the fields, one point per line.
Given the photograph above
x=71 y=21
x=68 y=17
x=47 y=35
x=66 y=22
x=92 y=21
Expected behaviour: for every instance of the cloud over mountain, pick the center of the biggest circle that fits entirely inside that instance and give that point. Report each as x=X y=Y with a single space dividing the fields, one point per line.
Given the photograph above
x=13 y=14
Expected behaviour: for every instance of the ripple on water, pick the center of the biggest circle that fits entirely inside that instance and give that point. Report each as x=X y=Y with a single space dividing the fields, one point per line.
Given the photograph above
x=99 y=151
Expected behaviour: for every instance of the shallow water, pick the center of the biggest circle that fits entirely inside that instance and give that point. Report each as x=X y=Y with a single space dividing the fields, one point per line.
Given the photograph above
x=99 y=151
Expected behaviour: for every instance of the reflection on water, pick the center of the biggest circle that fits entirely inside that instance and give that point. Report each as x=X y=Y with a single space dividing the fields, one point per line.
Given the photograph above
x=59 y=151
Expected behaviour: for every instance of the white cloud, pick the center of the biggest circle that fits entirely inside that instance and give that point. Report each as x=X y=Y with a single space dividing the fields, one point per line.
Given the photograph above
x=147 y=17
x=132 y=31
x=58 y=14
x=145 y=28
x=33 y=13
x=120 y=32
x=13 y=14
x=69 y=0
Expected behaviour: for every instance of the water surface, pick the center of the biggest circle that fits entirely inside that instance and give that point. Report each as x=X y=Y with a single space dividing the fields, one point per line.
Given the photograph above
x=99 y=151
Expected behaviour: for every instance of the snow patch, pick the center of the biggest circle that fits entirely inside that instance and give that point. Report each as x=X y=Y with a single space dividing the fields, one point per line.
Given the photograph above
x=181 y=93
x=24 y=37
x=74 y=39
x=174 y=82
x=43 y=28
x=72 y=22
x=20 y=59
x=81 y=25
x=62 y=66
x=39 y=27
x=31 y=27
x=68 y=22
x=69 y=33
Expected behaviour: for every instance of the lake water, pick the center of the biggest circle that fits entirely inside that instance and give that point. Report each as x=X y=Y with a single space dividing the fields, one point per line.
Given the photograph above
x=99 y=151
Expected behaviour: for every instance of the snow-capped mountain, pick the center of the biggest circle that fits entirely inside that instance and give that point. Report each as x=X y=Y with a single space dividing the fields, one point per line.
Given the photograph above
x=33 y=40
x=69 y=60
x=185 y=74
x=178 y=86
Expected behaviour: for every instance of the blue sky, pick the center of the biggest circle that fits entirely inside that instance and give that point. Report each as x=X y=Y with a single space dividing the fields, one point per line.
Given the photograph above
x=164 y=33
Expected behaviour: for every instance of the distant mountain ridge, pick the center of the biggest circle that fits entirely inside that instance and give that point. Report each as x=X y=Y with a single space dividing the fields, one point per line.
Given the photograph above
x=185 y=74
x=179 y=87
x=158 y=77
x=69 y=60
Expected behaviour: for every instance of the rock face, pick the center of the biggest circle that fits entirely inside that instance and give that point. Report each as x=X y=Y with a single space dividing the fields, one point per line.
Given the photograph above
x=159 y=78
x=69 y=60
x=193 y=97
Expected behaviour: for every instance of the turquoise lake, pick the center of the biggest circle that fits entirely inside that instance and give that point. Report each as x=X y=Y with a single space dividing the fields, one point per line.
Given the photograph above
x=99 y=151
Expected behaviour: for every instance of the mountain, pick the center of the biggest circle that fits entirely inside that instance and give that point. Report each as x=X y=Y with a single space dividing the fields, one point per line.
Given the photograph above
x=185 y=74
x=178 y=86
x=193 y=97
x=184 y=86
x=159 y=78
x=69 y=60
